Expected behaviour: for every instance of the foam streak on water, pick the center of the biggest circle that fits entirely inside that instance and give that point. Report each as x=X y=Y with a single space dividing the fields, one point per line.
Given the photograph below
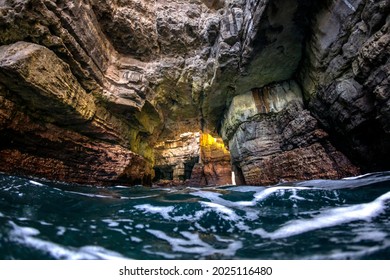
x=27 y=237
x=318 y=219
x=330 y=218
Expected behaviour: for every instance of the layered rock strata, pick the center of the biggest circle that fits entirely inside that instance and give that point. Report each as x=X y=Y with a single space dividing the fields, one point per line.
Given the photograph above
x=97 y=91
x=214 y=167
x=195 y=159
x=345 y=77
x=47 y=122
x=273 y=138
x=176 y=158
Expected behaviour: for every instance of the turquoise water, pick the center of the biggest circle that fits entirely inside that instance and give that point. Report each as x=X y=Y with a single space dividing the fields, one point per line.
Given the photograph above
x=344 y=219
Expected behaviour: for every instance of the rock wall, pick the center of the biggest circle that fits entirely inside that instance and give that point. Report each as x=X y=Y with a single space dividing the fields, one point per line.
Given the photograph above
x=258 y=43
x=195 y=159
x=345 y=77
x=52 y=126
x=59 y=78
x=176 y=158
x=108 y=85
x=214 y=167
x=272 y=138
x=140 y=67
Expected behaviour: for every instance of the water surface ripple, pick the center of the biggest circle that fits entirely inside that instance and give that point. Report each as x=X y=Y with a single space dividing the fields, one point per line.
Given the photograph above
x=319 y=219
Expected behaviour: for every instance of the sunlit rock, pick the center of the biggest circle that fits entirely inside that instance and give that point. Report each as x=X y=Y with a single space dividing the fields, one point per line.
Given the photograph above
x=176 y=158
x=137 y=73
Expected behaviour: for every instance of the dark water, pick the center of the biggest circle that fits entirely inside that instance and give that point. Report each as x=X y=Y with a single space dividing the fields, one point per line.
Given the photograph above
x=345 y=219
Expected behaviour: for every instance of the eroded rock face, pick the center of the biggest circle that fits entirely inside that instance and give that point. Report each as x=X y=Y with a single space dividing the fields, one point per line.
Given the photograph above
x=176 y=158
x=55 y=74
x=116 y=78
x=195 y=159
x=345 y=77
x=214 y=167
x=277 y=139
x=31 y=146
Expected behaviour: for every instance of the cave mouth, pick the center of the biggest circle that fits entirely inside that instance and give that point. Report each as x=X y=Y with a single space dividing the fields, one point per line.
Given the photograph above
x=189 y=166
x=163 y=173
x=181 y=172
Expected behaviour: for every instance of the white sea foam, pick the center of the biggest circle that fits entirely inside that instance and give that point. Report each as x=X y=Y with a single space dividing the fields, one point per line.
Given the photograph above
x=212 y=196
x=111 y=223
x=137 y=197
x=198 y=226
x=61 y=230
x=371 y=235
x=36 y=183
x=28 y=237
x=135 y=239
x=28 y=231
x=358 y=177
x=246 y=189
x=125 y=220
x=90 y=194
x=216 y=198
x=97 y=252
x=191 y=243
x=121 y=187
x=226 y=207
x=45 y=223
x=163 y=211
x=245 y=203
x=349 y=182
x=295 y=196
x=264 y=194
x=329 y=218
x=358 y=253
x=119 y=230
x=223 y=210
x=185 y=218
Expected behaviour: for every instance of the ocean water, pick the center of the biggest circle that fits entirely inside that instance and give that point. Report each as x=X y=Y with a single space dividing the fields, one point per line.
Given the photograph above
x=320 y=219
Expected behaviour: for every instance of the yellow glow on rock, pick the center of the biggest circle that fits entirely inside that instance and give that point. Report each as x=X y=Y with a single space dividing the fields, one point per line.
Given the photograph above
x=209 y=142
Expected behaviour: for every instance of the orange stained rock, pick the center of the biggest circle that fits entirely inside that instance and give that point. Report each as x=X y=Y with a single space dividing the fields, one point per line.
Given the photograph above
x=213 y=149
x=206 y=140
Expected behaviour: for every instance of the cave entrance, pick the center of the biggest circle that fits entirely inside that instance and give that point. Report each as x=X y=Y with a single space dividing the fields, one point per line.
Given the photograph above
x=239 y=176
x=163 y=173
x=188 y=166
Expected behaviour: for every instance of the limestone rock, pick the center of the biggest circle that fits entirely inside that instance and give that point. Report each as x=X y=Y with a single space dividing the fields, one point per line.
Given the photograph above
x=345 y=77
x=128 y=75
x=213 y=149
x=216 y=161
x=271 y=99
x=51 y=92
x=281 y=143
x=30 y=146
x=176 y=158
x=194 y=159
